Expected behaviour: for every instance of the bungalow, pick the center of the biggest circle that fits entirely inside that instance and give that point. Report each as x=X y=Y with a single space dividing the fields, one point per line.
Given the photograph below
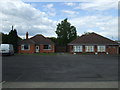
x=36 y=44
x=94 y=44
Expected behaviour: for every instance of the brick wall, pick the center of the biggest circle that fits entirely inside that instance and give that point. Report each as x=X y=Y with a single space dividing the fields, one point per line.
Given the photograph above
x=112 y=49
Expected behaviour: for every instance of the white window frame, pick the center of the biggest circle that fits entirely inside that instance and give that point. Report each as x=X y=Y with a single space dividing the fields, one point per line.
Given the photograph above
x=78 y=48
x=89 y=48
x=101 y=48
x=22 y=47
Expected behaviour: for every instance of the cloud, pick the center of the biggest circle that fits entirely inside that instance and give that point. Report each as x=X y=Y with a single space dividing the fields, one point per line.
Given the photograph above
x=50 y=10
x=65 y=0
x=49 y=6
x=100 y=5
x=104 y=25
x=70 y=4
x=24 y=17
x=70 y=13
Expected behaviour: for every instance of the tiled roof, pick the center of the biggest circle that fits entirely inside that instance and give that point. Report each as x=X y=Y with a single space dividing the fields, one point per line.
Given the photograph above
x=27 y=41
x=40 y=39
x=92 y=38
x=37 y=39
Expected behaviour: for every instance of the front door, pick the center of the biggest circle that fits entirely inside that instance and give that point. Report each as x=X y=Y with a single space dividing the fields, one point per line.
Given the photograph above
x=37 y=49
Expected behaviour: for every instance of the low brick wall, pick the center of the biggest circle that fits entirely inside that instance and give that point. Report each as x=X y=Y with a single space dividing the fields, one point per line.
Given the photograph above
x=60 y=48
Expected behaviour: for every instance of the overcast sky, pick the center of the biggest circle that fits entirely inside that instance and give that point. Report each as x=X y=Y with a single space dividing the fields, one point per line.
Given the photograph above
x=100 y=16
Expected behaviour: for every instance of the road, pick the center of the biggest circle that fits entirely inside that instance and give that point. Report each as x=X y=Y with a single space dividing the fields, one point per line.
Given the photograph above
x=60 y=68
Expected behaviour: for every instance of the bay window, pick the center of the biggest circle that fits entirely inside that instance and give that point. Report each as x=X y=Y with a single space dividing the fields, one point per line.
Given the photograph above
x=77 y=48
x=101 y=48
x=89 y=48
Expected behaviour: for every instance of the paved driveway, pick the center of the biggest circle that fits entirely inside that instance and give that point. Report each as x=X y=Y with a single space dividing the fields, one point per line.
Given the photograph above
x=60 y=68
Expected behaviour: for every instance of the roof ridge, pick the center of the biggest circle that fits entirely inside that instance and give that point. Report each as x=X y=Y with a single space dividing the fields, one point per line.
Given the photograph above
x=37 y=35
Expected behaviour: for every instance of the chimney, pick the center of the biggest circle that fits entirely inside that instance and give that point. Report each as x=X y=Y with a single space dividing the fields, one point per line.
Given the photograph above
x=26 y=35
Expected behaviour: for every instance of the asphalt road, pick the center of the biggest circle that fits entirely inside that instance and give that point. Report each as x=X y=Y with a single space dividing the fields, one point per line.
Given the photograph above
x=59 y=68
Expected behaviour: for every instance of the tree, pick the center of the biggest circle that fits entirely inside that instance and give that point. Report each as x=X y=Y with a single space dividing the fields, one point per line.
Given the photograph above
x=54 y=39
x=65 y=32
x=4 y=38
x=86 y=33
x=13 y=39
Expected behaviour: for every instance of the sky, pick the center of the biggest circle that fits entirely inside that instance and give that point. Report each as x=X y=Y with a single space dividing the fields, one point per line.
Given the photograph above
x=100 y=16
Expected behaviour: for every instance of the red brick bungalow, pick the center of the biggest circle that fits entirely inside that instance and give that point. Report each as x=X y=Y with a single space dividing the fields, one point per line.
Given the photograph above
x=94 y=44
x=36 y=44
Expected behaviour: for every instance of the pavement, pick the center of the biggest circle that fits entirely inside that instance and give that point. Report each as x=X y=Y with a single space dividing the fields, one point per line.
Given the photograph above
x=96 y=84
x=75 y=71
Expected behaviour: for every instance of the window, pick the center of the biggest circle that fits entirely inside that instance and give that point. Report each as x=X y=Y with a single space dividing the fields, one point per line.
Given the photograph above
x=47 y=46
x=89 y=48
x=25 y=47
x=77 y=48
x=101 y=48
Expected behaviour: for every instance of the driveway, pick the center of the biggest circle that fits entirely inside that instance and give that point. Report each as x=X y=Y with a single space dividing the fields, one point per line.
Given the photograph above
x=60 y=68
